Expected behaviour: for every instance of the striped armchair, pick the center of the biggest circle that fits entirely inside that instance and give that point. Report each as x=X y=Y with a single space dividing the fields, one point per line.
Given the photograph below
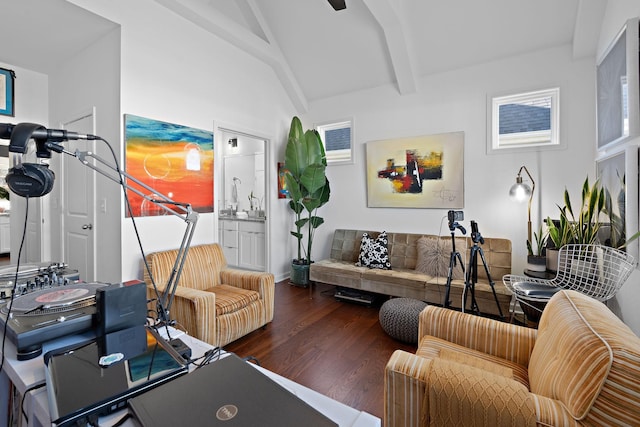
x=581 y=367
x=214 y=303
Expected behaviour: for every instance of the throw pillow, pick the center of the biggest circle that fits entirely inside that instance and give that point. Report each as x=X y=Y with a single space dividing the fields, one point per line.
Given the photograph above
x=434 y=253
x=374 y=253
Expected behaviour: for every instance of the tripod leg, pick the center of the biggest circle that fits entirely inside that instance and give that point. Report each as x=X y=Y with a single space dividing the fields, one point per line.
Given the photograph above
x=455 y=256
x=452 y=264
x=470 y=281
x=491 y=283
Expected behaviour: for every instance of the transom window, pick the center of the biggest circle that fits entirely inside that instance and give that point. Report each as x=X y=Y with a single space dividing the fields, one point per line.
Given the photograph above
x=525 y=120
x=338 y=141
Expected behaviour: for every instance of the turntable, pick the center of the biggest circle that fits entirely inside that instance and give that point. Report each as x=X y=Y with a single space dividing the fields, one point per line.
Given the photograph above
x=49 y=303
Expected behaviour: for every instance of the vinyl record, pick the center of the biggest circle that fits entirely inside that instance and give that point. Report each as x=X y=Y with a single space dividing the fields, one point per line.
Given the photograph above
x=55 y=299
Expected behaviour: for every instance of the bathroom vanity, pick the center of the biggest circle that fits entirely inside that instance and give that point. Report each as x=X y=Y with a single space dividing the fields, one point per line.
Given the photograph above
x=243 y=241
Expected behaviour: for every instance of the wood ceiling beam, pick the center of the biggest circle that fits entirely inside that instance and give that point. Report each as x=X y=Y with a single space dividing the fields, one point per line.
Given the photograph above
x=386 y=15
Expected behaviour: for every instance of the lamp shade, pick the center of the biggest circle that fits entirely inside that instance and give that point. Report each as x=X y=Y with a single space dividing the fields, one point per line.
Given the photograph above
x=520 y=191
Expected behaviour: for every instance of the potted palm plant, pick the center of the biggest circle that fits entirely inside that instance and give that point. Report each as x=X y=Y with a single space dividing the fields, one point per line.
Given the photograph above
x=305 y=166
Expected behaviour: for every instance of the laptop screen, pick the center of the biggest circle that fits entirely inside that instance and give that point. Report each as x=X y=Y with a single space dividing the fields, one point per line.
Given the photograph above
x=90 y=378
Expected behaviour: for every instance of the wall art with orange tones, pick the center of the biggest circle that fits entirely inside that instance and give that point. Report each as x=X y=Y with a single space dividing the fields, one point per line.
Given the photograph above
x=174 y=160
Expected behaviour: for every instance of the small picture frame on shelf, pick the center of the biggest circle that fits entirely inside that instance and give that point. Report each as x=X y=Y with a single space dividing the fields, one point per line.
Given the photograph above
x=7 y=95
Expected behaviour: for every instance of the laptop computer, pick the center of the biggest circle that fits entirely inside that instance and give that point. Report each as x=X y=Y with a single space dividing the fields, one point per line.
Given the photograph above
x=228 y=392
x=97 y=377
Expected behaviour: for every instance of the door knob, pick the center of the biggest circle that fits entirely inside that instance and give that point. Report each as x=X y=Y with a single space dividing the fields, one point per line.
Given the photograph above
x=87 y=227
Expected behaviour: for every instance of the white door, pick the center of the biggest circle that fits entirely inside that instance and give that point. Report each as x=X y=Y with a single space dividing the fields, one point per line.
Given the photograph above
x=78 y=202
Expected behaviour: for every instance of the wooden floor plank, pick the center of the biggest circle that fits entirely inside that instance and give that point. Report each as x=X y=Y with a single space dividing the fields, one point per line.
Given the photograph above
x=334 y=347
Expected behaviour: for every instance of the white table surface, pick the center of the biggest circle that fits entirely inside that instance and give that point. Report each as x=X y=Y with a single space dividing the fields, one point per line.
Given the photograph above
x=26 y=374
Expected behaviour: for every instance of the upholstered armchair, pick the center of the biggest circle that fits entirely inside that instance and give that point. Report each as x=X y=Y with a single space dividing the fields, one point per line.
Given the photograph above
x=581 y=367
x=213 y=303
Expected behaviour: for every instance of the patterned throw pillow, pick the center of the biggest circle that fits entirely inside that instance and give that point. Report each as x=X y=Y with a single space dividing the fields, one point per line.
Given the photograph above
x=374 y=253
x=434 y=255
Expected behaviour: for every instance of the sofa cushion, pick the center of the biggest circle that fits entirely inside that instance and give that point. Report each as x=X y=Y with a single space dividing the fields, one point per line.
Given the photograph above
x=434 y=256
x=230 y=298
x=399 y=277
x=374 y=253
x=570 y=360
x=433 y=348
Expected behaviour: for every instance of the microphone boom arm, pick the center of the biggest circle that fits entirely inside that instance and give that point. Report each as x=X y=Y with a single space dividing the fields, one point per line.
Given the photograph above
x=181 y=210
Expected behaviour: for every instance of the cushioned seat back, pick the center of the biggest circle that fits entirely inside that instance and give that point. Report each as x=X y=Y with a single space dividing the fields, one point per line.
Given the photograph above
x=588 y=359
x=345 y=246
x=201 y=268
x=497 y=253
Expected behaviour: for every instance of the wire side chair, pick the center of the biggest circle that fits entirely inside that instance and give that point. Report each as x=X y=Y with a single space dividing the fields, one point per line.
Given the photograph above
x=595 y=270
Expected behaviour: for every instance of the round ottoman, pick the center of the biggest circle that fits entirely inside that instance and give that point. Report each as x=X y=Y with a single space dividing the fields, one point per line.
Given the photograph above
x=399 y=318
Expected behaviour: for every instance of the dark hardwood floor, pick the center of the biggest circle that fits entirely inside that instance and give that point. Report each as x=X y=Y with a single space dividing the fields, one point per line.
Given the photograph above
x=333 y=347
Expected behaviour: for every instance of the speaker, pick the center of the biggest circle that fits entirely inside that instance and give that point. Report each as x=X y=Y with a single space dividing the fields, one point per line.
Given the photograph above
x=121 y=306
x=30 y=179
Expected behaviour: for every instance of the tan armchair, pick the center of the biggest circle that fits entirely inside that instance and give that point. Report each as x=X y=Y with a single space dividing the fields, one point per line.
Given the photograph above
x=214 y=303
x=581 y=367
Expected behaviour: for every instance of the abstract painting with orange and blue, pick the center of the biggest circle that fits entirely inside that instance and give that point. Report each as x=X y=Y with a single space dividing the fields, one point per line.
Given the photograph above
x=174 y=160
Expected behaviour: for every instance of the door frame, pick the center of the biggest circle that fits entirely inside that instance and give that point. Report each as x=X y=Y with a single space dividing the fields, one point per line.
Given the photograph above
x=89 y=112
x=218 y=129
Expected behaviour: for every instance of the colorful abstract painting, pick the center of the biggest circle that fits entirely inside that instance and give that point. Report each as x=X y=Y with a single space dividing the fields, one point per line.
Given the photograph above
x=282 y=184
x=416 y=172
x=174 y=160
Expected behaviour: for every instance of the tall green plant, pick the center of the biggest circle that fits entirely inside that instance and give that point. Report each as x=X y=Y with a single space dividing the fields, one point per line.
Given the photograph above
x=305 y=167
x=582 y=225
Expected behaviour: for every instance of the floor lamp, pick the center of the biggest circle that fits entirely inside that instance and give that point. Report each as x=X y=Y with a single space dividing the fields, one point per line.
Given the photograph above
x=520 y=191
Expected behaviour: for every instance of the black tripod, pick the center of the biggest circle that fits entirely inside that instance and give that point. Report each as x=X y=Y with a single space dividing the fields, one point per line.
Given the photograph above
x=471 y=277
x=453 y=258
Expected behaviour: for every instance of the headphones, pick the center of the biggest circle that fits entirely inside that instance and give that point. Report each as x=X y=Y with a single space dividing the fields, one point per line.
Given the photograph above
x=29 y=179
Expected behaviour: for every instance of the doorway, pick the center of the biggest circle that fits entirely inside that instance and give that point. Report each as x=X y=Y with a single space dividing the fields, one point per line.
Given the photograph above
x=243 y=211
x=78 y=202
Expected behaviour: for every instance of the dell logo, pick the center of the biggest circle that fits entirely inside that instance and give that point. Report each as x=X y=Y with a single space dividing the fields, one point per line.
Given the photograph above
x=226 y=412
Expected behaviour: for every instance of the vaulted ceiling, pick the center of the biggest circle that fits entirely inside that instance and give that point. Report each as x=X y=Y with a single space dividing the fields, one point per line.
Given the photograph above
x=318 y=52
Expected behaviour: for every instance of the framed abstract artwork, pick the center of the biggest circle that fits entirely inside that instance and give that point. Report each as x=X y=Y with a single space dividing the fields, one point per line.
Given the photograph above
x=416 y=172
x=7 y=95
x=282 y=184
x=618 y=88
x=175 y=160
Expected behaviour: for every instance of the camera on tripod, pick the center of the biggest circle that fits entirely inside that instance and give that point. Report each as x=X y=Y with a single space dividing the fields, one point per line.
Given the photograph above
x=475 y=234
x=454 y=217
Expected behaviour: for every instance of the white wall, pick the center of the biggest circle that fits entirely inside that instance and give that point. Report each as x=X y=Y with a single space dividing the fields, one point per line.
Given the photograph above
x=91 y=79
x=457 y=101
x=625 y=303
x=175 y=72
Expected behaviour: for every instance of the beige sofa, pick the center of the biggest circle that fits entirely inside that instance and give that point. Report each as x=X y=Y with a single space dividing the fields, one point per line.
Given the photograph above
x=404 y=281
x=580 y=367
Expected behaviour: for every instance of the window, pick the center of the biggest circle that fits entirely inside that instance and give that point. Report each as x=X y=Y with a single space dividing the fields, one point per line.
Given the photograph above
x=338 y=141
x=525 y=120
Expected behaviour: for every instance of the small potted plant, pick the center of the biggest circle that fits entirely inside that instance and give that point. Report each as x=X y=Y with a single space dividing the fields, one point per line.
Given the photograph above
x=305 y=165
x=536 y=257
